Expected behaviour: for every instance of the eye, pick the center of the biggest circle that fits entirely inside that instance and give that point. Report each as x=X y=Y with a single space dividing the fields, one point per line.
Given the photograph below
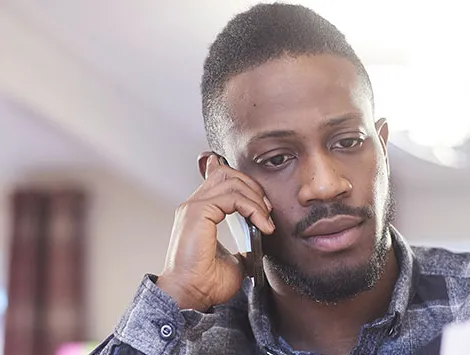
x=275 y=161
x=348 y=143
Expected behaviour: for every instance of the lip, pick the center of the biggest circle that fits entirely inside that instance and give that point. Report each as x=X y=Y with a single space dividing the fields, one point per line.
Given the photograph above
x=327 y=226
x=335 y=234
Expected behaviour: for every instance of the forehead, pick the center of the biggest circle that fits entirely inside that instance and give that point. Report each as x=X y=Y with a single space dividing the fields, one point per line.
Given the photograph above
x=320 y=86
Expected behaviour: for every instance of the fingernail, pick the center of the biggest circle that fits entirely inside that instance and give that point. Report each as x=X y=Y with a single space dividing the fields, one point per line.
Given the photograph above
x=268 y=203
x=271 y=221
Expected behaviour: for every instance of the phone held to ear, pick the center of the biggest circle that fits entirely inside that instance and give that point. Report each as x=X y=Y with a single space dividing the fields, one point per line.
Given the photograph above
x=248 y=239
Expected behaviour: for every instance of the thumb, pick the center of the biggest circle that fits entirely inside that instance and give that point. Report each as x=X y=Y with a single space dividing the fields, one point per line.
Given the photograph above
x=238 y=259
x=246 y=262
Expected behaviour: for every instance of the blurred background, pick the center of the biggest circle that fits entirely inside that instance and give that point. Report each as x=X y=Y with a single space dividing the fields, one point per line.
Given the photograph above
x=100 y=127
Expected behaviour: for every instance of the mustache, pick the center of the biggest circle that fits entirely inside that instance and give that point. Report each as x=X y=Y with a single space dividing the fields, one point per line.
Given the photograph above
x=320 y=212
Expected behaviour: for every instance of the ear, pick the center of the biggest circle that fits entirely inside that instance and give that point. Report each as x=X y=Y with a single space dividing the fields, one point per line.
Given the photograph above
x=381 y=126
x=202 y=162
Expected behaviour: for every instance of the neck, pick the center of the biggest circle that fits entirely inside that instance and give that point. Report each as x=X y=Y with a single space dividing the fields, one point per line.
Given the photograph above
x=330 y=328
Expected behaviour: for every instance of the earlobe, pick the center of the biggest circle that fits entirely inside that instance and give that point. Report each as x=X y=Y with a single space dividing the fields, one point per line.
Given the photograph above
x=202 y=162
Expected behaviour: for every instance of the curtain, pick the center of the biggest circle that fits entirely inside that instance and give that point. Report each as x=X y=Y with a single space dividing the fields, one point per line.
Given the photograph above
x=46 y=271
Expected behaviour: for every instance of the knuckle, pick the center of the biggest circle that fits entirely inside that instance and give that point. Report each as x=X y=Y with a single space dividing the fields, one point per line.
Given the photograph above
x=261 y=211
x=235 y=184
x=184 y=207
x=219 y=173
x=180 y=209
x=237 y=181
x=236 y=195
x=240 y=185
x=232 y=189
x=258 y=187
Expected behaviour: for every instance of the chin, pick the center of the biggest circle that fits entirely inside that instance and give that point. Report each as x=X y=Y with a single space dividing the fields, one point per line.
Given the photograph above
x=332 y=278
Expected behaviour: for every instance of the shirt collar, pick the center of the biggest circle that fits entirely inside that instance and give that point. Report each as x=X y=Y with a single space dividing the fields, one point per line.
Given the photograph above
x=403 y=293
x=405 y=286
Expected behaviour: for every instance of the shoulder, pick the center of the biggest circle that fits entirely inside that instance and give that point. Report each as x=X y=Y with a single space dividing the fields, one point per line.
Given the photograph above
x=442 y=262
x=444 y=279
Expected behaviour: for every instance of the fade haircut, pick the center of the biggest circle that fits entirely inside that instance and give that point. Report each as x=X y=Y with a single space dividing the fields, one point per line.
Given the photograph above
x=263 y=33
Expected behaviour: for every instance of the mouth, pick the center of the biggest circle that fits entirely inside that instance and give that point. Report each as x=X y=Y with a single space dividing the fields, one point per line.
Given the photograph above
x=335 y=234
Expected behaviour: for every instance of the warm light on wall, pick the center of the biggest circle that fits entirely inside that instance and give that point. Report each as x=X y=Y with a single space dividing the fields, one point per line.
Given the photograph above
x=425 y=105
x=428 y=101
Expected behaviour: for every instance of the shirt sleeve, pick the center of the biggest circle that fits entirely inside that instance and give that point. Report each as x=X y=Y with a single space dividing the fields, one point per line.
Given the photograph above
x=153 y=324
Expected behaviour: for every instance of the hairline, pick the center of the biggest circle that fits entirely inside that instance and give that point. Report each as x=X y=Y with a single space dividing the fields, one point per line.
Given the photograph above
x=217 y=95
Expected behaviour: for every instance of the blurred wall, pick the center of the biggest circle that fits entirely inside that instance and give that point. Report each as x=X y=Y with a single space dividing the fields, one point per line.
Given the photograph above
x=435 y=215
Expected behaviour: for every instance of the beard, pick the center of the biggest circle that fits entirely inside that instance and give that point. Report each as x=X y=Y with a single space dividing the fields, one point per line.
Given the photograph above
x=344 y=281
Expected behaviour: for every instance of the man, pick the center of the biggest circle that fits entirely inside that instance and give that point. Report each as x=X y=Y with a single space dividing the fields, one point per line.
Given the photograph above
x=290 y=107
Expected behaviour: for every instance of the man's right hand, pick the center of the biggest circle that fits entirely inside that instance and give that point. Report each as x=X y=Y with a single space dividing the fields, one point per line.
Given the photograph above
x=199 y=272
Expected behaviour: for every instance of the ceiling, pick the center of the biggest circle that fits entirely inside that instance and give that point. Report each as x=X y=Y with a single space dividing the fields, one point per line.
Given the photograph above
x=122 y=78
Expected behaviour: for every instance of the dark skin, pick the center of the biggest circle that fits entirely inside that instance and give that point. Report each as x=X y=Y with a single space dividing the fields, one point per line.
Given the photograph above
x=302 y=133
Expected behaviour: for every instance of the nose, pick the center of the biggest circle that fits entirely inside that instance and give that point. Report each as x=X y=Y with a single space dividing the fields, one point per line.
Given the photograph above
x=322 y=181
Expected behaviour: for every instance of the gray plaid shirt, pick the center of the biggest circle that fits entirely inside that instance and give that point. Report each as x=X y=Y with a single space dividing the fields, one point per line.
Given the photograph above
x=432 y=290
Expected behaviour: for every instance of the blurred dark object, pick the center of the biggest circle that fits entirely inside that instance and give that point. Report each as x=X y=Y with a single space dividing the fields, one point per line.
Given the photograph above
x=46 y=279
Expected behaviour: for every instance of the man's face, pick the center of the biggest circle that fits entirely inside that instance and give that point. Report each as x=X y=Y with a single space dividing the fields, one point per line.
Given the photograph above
x=303 y=128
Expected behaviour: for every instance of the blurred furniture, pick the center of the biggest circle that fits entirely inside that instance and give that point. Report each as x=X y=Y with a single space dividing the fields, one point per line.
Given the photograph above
x=46 y=278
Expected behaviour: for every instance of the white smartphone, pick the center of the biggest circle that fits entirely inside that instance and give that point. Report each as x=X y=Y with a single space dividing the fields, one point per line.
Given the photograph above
x=248 y=239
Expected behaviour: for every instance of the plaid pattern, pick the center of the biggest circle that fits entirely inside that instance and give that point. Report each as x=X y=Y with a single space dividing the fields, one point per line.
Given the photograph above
x=432 y=290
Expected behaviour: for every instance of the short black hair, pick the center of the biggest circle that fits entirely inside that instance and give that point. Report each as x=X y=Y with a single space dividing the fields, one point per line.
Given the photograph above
x=252 y=38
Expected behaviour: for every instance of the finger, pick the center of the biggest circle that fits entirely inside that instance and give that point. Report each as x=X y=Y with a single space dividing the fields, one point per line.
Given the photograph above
x=221 y=173
x=217 y=173
x=223 y=254
x=216 y=208
x=221 y=251
x=246 y=260
x=212 y=165
x=235 y=184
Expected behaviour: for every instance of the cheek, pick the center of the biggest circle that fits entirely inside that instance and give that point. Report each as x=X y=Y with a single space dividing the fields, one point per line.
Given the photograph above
x=381 y=189
x=370 y=181
x=380 y=183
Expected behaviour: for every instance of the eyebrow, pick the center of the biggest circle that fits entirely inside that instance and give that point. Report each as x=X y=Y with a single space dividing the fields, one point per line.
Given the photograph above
x=350 y=116
x=273 y=134
x=333 y=122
